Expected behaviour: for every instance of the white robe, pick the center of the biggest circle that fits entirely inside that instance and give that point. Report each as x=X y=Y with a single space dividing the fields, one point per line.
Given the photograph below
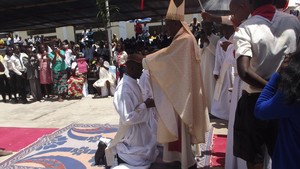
x=104 y=76
x=147 y=92
x=232 y=162
x=137 y=147
x=207 y=64
x=168 y=156
x=223 y=68
x=179 y=96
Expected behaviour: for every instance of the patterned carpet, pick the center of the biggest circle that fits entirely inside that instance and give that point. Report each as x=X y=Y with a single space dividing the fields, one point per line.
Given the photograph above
x=74 y=146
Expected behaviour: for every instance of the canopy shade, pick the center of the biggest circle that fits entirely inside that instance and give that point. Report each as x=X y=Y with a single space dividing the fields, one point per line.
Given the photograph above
x=17 y=15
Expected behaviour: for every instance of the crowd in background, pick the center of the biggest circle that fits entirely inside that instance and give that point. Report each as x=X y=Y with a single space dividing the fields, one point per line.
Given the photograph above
x=39 y=68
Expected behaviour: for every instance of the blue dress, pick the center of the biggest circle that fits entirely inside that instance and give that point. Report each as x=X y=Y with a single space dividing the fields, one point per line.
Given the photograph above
x=271 y=105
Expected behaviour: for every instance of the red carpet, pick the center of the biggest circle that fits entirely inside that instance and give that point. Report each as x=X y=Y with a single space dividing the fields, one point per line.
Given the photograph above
x=218 y=151
x=15 y=139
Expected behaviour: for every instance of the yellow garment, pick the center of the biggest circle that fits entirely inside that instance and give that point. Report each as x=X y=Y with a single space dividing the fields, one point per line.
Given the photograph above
x=175 y=70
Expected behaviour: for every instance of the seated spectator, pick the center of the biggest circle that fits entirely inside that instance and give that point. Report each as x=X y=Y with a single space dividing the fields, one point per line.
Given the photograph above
x=76 y=80
x=105 y=85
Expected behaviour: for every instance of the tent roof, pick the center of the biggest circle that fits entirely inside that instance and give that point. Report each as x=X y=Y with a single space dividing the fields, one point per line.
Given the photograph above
x=16 y=15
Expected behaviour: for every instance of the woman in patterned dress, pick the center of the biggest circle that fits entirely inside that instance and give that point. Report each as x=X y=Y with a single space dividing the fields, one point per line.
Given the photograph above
x=59 y=72
x=76 y=80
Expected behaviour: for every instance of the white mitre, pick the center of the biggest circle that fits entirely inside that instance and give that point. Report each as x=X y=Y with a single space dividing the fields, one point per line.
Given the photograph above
x=174 y=12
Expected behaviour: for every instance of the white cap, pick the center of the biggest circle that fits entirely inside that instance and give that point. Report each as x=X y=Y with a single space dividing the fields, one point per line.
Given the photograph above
x=106 y=64
x=174 y=12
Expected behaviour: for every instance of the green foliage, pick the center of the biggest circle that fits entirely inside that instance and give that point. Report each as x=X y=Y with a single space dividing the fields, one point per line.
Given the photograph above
x=103 y=12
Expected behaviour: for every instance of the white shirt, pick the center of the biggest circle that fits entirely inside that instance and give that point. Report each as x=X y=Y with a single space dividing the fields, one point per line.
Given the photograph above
x=69 y=57
x=138 y=147
x=6 y=72
x=19 y=61
x=266 y=42
x=14 y=64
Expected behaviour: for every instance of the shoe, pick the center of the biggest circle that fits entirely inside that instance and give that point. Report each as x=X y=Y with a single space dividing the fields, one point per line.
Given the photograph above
x=5 y=153
x=24 y=101
x=16 y=100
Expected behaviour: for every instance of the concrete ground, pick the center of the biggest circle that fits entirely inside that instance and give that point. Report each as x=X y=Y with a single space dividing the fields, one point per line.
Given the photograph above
x=53 y=114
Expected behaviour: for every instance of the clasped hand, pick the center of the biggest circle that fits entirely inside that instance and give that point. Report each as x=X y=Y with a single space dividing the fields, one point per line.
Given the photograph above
x=149 y=103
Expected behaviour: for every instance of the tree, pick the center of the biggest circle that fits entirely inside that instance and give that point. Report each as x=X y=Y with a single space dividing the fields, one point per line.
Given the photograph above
x=106 y=12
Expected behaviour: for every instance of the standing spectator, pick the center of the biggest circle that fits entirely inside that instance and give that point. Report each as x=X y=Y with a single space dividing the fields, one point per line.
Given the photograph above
x=114 y=41
x=15 y=63
x=17 y=39
x=146 y=33
x=90 y=36
x=2 y=47
x=45 y=69
x=9 y=40
x=4 y=76
x=68 y=54
x=280 y=100
x=138 y=28
x=31 y=40
x=33 y=75
x=195 y=24
x=84 y=38
x=59 y=72
x=261 y=43
x=120 y=58
x=88 y=51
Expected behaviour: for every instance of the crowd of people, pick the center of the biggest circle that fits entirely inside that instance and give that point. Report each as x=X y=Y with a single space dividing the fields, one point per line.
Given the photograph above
x=246 y=77
x=166 y=89
x=48 y=69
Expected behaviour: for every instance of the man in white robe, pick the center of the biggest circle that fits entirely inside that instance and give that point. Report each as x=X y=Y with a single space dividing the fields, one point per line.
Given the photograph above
x=222 y=72
x=105 y=85
x=178 y=91
x=208 y=43
x=134 y=143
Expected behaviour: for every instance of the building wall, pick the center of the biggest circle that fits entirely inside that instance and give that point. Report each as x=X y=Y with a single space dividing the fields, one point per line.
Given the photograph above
x=61 y=33
x=121 y=29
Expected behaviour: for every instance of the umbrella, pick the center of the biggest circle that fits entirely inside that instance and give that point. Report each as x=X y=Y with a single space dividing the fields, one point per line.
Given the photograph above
x=145 y=20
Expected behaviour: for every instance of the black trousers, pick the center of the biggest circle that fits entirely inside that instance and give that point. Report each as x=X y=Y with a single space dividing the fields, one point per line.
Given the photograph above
x=18 y=84
x=4 y=86
x=250 y=133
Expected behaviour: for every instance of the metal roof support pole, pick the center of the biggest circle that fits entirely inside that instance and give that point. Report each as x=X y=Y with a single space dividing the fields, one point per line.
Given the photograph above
x=109 y=32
